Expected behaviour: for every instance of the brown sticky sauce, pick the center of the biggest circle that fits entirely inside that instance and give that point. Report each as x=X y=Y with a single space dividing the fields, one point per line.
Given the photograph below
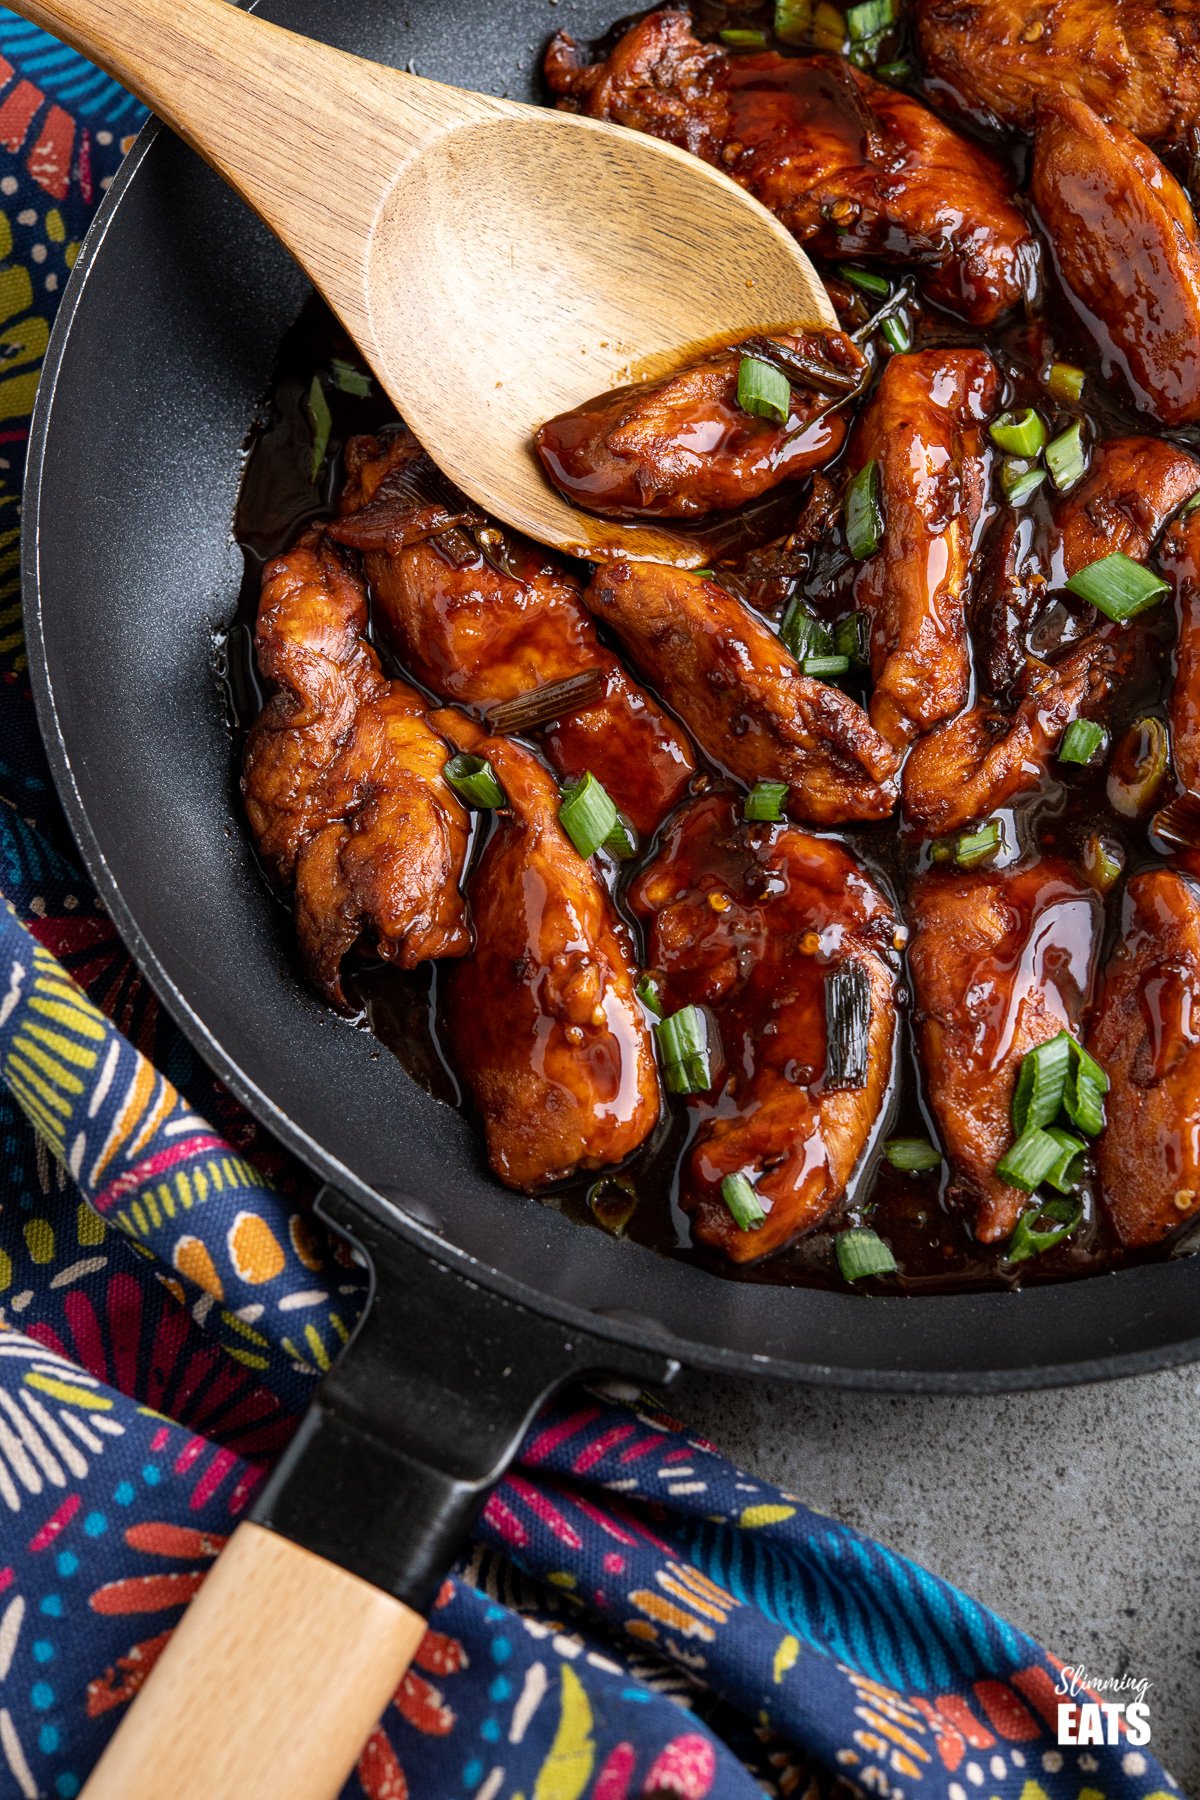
x=933 y=1244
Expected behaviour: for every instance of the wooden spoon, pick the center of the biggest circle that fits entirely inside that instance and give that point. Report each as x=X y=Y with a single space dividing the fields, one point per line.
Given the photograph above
x=495 y=263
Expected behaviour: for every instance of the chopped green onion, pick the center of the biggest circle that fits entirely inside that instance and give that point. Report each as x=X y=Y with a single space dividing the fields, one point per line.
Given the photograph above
x=763 y=391
x=852 y=637
x=825 y=665
x=1041 y=1084
x=621 y=841
x=1080 y=741
x=1067 y=1173
x=1020 y=434
x=1065 y=382
x=683 y=1042
x=847 y=1026
x=1102 y=859
x=793 y=20
x=739 y=38
x=863 y=508
x=1138 y=767
x=763 y=805
x=894 y=71
x=861 y=1253
x=587 y=815
x=647 y=992
x=867 y=280
x=349 y=380
x=737 y=1191
x=474 y=780
x=1117 y=586
x=975 y=847
x=1027 y=1240
x=1019 y=480
x=1027 y=1163
x=895 y=333
x=912 y=1156
x=321 y=420
x=803 y=633
x=1087 y=1084
x=868 y=19
x=1189 y=506
x=612 y=1202
x=1064 y=457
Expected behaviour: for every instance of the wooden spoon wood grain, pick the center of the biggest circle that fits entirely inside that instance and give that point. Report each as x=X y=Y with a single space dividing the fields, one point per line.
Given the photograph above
x=495 y=263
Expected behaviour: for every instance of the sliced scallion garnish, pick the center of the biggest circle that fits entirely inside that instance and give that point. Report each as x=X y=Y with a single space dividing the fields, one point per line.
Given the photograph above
x=866 y=280
x=1027 y=1163
x=847 y=1026
x=1030 y=1240
x=474 y=780
x=743 y=38
x=1087 y=1084
x=895 y=333
x=975 y=847
x=321 y=420
x=1080 y=741
x=793 y=20
x=852 y=637
x=621 y=841
x=763 y=390
x=1117 y=586
x=349 y=380
x=764 y=803
x=861 y=1252
x=1019 y=434
x=647 y=992
x=1041 y=1083
x=1065 y=382
x=898 y=71
x=803 y=633
x=863 y=511
x=912 y=1156
x=868 y=19
x=824 y=666
x=738 y=1193
x=1019 y=480
x=1067 y=1173
x=1065 y=458
x=587 y=814
x=1189 y=506
x=683 y=1044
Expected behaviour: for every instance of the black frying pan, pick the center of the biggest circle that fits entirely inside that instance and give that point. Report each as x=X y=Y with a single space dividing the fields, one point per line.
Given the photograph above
x=164 y=344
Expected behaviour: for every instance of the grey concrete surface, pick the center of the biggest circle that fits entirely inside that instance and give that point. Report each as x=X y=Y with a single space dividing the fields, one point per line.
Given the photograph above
x=1073 y=1513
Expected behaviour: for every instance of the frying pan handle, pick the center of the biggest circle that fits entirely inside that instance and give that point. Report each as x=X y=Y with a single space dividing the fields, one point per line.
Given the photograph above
x=269 y=1687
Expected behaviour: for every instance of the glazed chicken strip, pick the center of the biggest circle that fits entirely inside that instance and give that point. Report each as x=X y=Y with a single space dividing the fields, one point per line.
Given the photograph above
x=988 y=755
x=852 y=167
x=1131 y=490
x=1134 y=61
x=683 y=446
x=924 y=429
x=743 y=697
x=543 y=1020
x=484 y=618
x=342 y=779
x=1146 y=1037
x=753 y=922
x=1000 y=962
x=1181 y=564
x=1125 y=242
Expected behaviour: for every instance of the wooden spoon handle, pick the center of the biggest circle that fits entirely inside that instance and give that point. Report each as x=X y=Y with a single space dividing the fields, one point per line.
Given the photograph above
x=270 y=1685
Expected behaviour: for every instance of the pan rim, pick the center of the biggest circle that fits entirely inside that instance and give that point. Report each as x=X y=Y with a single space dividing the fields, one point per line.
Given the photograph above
x=698 y=1354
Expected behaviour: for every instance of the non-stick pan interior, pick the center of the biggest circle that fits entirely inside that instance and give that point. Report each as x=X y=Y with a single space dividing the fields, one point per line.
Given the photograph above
x=165 y=345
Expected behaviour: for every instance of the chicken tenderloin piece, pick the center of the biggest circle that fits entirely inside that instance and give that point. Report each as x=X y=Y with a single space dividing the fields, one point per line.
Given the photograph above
x=1146 y=1037
x=743 y=697
x=753 y=922
x=1001 y=961
x=342 y=780
x=1125 y=242
x=683 y=447
x=851 y=167
x=1181 y=565
x=1131 y=490
x=543 y=1021
x=924 y=428
x=485 y=617
x=1134 y=61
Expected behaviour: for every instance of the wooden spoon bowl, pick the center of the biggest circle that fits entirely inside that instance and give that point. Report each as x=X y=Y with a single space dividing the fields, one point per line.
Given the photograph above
x=495 y=263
